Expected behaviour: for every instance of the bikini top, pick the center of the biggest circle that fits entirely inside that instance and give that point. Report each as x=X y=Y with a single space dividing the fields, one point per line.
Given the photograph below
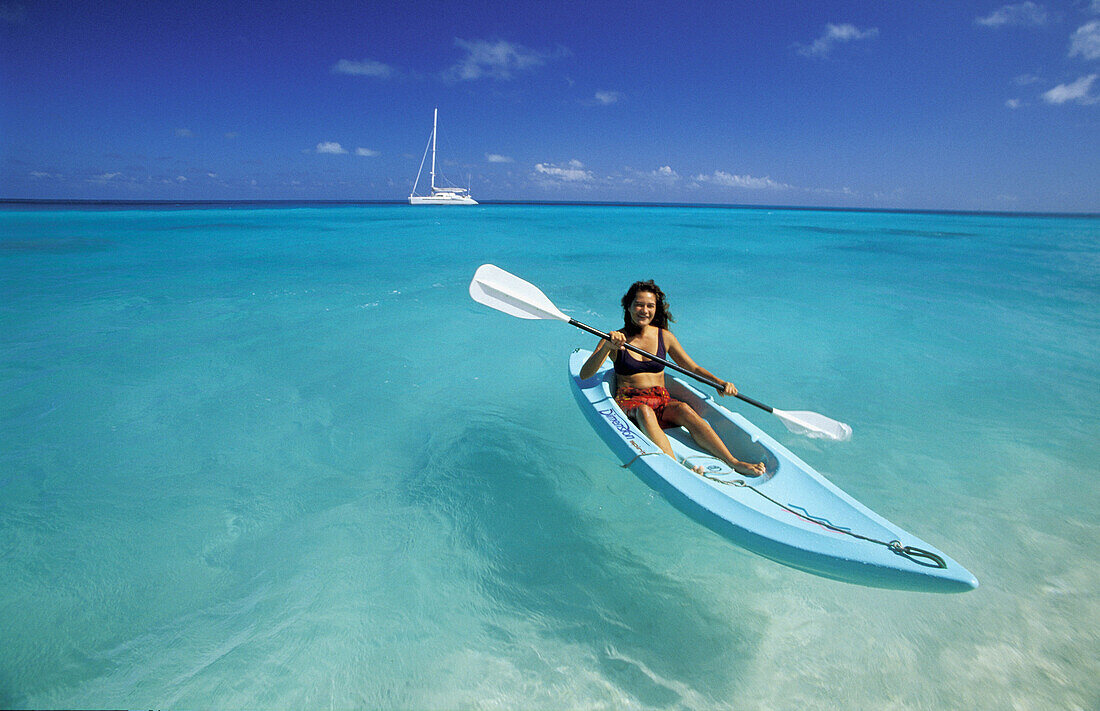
x=629 y=364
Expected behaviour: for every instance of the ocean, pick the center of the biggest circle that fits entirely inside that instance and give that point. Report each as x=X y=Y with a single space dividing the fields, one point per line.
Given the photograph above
x=276 y=457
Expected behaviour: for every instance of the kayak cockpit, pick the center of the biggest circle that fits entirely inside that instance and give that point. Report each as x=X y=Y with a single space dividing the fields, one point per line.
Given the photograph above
x=739 y=441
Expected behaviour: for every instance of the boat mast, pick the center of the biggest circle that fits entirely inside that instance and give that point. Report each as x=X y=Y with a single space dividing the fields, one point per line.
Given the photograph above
x=435 y=120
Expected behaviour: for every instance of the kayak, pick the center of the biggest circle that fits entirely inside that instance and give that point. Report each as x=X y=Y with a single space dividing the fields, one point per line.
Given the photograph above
x=791 y=514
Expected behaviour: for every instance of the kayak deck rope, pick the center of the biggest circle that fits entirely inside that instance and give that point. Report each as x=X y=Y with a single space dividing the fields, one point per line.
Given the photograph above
x=637 y=456
x=928 y=559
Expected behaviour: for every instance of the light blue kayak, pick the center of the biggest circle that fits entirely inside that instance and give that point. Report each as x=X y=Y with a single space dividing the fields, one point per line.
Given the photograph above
x=791 y=514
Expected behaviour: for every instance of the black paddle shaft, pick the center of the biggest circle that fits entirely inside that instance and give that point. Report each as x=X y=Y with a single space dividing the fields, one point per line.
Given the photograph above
x=668 y=363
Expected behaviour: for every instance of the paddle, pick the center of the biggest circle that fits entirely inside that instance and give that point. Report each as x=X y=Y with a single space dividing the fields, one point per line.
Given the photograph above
x=506 y=292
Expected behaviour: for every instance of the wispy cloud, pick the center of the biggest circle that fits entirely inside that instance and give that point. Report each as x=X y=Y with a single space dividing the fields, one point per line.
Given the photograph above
x=497 y=158
x=364 y=68
x=1086 y=41
x=104 y=177
x=366 y=152
x=839 y=192
x=1024 y=14
x=184 y=133
x=574 y=172
x=496 y=60
x=330 y=148
x=659 y=178
x=823 y=46
x=729 y=180
x=607 y=98
x=1079 y=92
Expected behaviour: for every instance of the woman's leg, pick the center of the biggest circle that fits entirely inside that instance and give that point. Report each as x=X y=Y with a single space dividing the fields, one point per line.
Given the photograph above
x=651 y=425
x=647 y=420
x=682 y=414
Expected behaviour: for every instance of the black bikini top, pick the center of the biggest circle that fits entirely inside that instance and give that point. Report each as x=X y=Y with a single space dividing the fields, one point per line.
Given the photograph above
x=628 y=364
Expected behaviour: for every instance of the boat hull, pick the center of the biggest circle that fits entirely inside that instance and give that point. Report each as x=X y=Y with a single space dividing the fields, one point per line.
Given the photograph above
x=438 y=200
x=781 y=515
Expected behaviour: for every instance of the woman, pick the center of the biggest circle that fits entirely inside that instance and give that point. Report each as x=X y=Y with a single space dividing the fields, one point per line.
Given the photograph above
x=640 y=382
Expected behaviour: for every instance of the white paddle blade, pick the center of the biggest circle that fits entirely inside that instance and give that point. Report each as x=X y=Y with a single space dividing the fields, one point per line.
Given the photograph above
x=506 y=292
x=812 y=424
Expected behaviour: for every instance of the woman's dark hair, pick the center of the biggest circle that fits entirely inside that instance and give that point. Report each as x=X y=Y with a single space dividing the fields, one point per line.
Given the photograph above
x=662 y=317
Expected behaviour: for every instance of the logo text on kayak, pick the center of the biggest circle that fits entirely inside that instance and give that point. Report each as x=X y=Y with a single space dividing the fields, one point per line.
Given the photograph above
x=617 y=423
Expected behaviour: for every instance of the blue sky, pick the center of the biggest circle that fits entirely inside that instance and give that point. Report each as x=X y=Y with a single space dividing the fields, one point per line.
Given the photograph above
x=878 y=104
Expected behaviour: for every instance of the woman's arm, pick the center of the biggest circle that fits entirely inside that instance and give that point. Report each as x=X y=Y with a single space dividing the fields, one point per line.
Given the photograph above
x=672 y=345
x=598 y=356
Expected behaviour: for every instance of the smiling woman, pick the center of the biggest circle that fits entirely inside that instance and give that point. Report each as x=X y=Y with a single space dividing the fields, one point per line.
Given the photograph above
x=640 y=383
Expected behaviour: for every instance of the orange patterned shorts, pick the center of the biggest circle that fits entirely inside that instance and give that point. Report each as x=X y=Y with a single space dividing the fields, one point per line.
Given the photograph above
x=628 y=398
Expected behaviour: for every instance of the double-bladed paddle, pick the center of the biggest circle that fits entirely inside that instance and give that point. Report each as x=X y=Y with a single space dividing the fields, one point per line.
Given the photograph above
x=506 y=292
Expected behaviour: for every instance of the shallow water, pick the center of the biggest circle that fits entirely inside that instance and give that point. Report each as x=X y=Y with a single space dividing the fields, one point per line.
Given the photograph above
x=277 y=457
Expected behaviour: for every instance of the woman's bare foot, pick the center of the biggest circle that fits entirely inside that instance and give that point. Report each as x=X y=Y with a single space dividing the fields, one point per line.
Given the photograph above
x=747 y=469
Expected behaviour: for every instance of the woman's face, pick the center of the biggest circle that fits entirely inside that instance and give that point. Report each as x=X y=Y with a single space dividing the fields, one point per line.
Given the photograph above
x=643 y=308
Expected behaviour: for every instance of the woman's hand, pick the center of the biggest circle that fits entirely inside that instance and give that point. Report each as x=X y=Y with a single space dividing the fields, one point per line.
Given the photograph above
x=616 y=342
x=728 y=389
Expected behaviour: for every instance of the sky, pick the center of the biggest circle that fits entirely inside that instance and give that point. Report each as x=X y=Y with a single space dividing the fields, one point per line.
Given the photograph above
x=877 y=104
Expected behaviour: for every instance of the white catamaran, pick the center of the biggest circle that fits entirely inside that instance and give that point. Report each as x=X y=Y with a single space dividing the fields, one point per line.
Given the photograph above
x=438 y=196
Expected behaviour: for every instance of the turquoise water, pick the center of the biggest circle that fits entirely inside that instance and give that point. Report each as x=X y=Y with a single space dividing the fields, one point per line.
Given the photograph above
x=278 y=458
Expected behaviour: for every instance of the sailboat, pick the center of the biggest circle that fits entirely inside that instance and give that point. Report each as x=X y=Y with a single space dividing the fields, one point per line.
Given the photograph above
x=438 y=195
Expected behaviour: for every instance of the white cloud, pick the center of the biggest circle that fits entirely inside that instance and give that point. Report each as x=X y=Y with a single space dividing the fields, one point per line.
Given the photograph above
x=1079 y=91
x=495 y=60
x=497 y=158
x=331 y=148
x=1086 y=41
x=728 y=180
x=659 y=178
x=607 y=97
x=1014 y=103
x=1024 y=14
x=835 y=34
x=104 y=177
x=575 y=172
x=844 y=192
x=365 y=152
x=364 y=68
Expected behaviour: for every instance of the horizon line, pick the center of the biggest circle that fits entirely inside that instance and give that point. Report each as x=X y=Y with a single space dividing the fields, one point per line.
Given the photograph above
x=274 y=202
